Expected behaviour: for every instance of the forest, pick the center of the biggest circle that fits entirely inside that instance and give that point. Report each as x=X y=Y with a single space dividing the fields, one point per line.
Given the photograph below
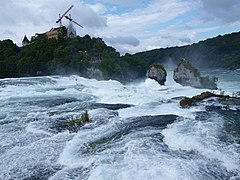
x=219 y=52
x=67 y=56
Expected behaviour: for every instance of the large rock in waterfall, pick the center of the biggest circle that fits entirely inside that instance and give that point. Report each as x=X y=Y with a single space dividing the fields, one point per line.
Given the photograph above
x=158 y=73
x=187 y=75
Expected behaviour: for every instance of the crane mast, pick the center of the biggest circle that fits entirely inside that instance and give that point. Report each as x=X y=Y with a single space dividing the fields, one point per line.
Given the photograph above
x=64 y=14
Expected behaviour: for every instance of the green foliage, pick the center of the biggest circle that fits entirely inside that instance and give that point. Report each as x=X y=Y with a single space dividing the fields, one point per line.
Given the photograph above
x=74 y=56
x=82 y=120
x=85 y=117
x=63 y=34
x=219 y=52
x=133 y=67
x=62 y=56
x=8 y=57
x=189 y=66
x=108 y=67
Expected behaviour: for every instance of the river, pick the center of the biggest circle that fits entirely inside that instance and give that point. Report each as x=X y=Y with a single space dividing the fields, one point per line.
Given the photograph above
x=136 y=131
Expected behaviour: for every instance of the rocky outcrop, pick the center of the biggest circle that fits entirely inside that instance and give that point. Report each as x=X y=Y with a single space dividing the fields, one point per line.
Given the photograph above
x=198 y=98
x=187 y=75
x=94 y=73
x=158 y=73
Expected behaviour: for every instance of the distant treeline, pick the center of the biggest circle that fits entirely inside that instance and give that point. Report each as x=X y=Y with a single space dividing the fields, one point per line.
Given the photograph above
x=218 y=52
x=76 y=55
x=67 y=56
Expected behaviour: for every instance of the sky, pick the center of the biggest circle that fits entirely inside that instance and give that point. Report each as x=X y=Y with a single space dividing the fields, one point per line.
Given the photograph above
x=129 y=26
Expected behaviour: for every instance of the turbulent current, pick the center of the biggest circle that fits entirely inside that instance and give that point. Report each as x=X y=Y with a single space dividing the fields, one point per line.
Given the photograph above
x=136 y=131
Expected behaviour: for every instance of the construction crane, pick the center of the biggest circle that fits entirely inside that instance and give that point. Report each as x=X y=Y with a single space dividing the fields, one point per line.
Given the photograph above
x=70 y=19
x=64 y=14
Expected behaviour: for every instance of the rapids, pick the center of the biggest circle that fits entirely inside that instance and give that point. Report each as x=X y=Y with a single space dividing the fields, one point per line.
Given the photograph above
x=136 y=131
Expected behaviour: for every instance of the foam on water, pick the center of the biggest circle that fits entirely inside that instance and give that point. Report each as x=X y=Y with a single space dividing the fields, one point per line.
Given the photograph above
x=203 y=137
x=108 y=147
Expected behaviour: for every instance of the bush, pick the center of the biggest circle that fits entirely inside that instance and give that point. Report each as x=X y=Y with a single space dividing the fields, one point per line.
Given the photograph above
x=85 y=117
x=78 y=122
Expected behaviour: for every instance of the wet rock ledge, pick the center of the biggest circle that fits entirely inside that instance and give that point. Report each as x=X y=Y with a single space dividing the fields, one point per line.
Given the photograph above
x=223 y=99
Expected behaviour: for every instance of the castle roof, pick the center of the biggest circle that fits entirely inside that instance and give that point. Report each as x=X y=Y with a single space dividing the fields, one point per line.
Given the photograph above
x=55 y=29
x=25 y=39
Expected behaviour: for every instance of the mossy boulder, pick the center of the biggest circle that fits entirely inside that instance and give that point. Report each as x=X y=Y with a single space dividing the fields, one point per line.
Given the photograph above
x=198 y=98
x=187 y=75
x=186 y=102
x=158 y=73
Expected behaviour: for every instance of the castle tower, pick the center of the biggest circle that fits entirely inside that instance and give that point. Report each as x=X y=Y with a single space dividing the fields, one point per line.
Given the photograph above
x=71 y=32
x=25 y=41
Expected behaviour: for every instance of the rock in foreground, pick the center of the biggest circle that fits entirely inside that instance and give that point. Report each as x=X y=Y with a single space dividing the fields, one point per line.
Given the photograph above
x=158 y=73
x=187 y=75
x=198 y=98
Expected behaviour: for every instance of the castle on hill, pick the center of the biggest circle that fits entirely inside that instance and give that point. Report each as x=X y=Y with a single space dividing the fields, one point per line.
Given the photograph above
x=52 y=33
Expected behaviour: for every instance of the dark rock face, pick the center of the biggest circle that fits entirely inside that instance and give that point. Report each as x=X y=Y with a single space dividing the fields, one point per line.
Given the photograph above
x=187 y=75
x=158 y=73
x=225 y=100
x=110 y=106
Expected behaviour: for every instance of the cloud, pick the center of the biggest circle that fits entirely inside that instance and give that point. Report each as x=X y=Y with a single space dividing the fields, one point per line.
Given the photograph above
x=226 y=10
x=129 y=40
x=98 y=8
x=29 y=17
x=88 y=17
x=147 y=23
x=14 y=13
x=8 y=32
x=124 y=2
x=185 y=40
x=123 y=24
x=155 y=12
x=44 y=12
x=187 y=27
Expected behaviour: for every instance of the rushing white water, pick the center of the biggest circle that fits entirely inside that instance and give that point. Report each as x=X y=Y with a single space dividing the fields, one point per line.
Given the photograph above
x=154 y=138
